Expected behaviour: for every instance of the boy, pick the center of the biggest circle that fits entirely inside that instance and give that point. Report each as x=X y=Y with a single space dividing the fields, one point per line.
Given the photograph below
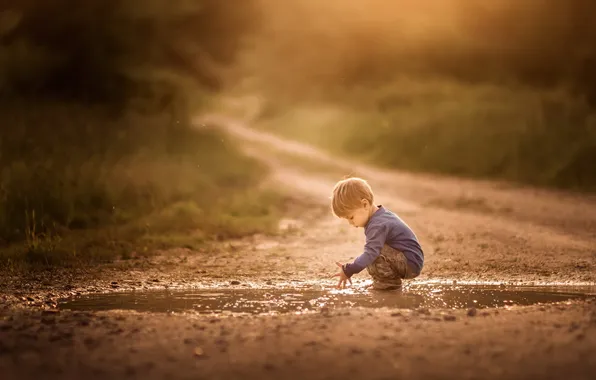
x=391 y=252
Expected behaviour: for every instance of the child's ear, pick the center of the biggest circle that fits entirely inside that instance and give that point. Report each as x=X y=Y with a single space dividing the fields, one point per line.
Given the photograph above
x=365 y=203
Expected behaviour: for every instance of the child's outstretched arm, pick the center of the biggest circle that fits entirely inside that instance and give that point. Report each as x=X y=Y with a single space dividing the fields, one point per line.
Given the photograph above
x=342 y=276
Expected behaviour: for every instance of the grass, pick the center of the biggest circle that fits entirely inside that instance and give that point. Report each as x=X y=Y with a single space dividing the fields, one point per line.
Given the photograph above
x=539 y=137
x=79 y=185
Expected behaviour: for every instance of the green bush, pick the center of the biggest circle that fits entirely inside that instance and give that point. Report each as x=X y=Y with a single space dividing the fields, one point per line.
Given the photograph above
x=75 y=169
x=97 y=153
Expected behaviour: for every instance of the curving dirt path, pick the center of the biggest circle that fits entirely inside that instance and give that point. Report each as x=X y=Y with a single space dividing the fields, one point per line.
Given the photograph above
x=470 y=231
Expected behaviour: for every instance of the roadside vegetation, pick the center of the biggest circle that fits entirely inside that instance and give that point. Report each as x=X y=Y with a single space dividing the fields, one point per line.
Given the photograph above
x=98 y=156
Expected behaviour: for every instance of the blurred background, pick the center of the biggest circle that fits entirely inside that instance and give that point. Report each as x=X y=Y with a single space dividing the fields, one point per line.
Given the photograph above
x=98 y=157
x=499 y=89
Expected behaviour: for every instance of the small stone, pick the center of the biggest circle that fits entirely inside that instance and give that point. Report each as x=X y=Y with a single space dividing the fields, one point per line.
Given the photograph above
x=198 y=352
x=269 y=366
x=472 y=312
x=48 y=321
x=114 y=282
x=90 y=342
x=449 y=318
x=574 y=326
x=234 y=282
x=396 y=314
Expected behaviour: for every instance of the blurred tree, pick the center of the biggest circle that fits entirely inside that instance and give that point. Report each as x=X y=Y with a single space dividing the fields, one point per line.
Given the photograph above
x=111 y=50
x=534 y=41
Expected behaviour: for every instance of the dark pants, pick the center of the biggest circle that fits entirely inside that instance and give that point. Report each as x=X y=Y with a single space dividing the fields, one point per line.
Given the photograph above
x=389 y=269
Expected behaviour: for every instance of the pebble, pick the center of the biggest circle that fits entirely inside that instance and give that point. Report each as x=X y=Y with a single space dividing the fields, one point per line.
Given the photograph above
x=234 y=282
x=472 y=312
x=269 y=366
x=48 y=321
x=449 y=317
x=574 y=326
x=198 y=352
x=90 y=342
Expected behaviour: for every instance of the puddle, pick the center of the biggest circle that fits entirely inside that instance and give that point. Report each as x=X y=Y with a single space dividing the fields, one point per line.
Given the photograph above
x=267 y=301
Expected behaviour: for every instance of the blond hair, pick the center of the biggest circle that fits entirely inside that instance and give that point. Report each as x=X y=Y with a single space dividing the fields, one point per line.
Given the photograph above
x=348 y=195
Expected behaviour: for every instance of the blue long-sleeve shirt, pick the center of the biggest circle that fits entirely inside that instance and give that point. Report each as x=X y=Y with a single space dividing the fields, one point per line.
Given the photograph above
x=384 y=227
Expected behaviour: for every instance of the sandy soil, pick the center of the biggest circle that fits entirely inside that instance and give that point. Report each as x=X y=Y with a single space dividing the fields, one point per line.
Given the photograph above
x=472 y=231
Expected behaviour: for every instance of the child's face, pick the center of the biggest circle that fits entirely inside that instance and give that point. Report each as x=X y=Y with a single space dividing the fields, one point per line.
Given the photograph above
x=359 y=217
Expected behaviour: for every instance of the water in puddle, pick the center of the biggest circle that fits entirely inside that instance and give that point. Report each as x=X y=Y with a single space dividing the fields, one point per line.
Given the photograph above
x=265 y=301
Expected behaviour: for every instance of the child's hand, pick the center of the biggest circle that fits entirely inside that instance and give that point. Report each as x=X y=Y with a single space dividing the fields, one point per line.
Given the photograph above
x=342 y=277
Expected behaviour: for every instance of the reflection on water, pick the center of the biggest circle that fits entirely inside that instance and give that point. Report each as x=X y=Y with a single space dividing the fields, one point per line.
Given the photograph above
x=263 y=301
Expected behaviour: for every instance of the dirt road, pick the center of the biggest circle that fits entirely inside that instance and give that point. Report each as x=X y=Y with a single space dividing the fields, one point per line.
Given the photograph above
x=470 y=230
